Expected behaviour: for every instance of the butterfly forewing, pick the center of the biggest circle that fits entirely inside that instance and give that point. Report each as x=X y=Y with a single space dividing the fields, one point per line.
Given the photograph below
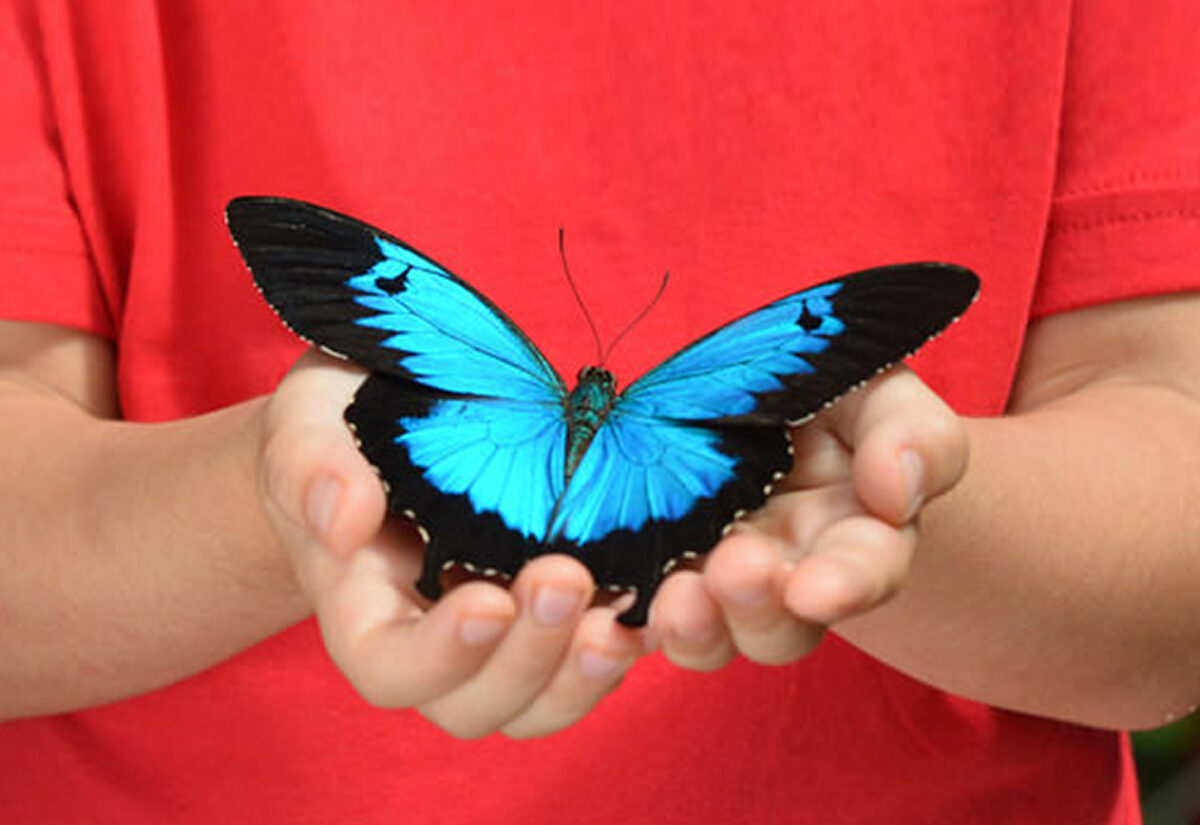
x=787 y=360
x=363 y=294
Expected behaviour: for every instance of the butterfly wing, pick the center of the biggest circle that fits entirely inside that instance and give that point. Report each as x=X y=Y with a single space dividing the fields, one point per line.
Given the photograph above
x=702 y=438
x=650 y=491
x=361 y=293
x=480 y=476
x=785 y=361
x=462 y=416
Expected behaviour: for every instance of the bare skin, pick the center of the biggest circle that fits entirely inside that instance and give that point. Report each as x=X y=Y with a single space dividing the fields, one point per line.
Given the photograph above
x=1057 y=577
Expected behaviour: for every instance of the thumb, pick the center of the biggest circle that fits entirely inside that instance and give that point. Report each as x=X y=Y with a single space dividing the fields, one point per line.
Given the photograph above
x=908 y=445
x=316 y=485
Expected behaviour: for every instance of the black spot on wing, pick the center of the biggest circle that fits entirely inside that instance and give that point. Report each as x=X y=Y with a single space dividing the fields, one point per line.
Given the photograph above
x=807 y=320
x=393 y=286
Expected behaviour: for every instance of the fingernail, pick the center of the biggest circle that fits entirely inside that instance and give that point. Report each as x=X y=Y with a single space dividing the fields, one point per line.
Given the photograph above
x=695 y=635
x=477 y=631
x=822 y=598
x=748 y=595
x=595 y=665
x=914 y=477
x=552 y=606
x=831 y=594
x=322 y=503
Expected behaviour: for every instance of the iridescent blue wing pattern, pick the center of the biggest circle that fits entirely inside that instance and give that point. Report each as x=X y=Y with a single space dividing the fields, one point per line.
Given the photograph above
x=479 y=441
x=650 y=491
x=479 y=476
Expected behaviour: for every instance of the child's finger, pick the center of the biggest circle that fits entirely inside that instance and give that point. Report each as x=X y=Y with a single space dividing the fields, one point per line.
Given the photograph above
x=908 y=445
x=601 y=652
x=551 y=594
x=398 y=656
x=313 y=479
x=688 y=624
x=856 y=565
x=747 y=574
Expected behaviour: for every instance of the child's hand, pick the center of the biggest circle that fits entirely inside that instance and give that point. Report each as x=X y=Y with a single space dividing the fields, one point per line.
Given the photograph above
x=527 y=661
x=835 y=541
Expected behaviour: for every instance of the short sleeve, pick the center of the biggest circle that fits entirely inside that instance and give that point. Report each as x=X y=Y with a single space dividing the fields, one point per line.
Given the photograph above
x=1125 y=219
x=46 y=272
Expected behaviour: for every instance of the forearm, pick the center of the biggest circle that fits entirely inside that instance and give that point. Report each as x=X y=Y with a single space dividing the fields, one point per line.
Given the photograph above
x=1060 y=577
x=134 y=555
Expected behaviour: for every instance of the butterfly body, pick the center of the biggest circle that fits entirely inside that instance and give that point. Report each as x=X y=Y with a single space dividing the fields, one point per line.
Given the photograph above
x=585 y=410
x=481 y=443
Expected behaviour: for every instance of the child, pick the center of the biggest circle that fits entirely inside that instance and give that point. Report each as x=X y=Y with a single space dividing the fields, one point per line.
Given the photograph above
x=173 y=512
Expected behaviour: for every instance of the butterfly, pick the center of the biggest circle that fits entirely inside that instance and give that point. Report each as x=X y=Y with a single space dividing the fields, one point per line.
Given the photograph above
x=481 y=443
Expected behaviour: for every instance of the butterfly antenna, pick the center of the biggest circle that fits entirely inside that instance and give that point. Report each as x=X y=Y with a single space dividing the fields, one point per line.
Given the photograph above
x=662 y=287
x=562 y=251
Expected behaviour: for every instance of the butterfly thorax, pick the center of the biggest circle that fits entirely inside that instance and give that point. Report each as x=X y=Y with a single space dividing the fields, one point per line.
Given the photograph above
x=586 y=408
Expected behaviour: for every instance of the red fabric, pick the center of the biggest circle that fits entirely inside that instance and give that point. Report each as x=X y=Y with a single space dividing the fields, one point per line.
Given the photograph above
x=1053 y=150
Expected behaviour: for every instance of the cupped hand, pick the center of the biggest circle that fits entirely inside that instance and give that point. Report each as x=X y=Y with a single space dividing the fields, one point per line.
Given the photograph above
x=525 y=660
x=834 y=541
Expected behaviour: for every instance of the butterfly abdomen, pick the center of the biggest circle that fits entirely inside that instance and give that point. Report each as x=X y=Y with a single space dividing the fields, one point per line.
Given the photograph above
x=586 y=407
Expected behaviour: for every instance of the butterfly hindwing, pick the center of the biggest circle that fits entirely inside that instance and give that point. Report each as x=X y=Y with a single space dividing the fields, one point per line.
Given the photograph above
x=480 y=476
x=650 y=491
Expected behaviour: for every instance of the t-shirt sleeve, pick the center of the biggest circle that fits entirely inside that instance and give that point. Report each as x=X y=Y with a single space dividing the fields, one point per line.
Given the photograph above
x=46 y=272
x=1125 y=219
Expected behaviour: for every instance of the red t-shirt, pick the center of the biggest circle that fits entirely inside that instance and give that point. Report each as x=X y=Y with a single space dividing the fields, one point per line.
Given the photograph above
x=1053 y=149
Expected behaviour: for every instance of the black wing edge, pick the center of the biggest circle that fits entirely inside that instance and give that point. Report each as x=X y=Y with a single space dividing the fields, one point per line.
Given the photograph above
x=890 y=313
x=301 y=256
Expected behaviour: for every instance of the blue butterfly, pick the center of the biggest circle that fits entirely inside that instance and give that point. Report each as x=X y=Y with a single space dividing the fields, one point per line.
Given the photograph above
x=481 y=443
